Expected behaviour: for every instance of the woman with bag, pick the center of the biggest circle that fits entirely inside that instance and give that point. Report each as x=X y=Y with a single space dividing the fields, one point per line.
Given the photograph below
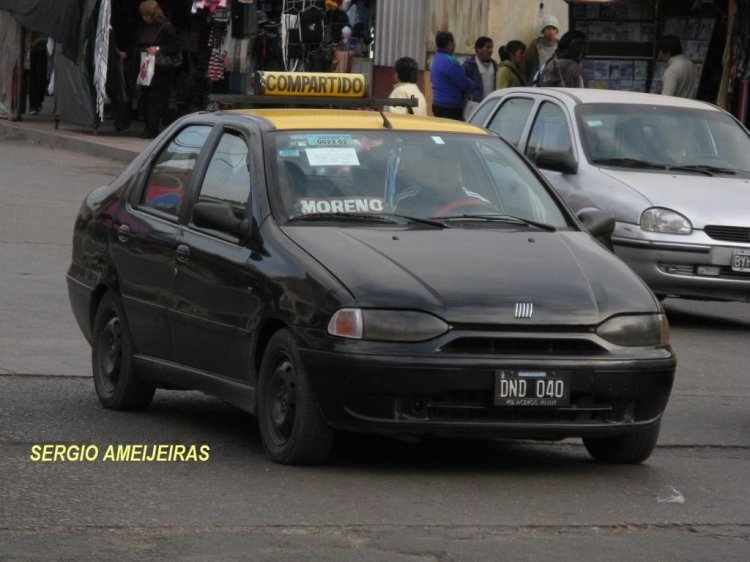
x=159 y=51
x=510 y=73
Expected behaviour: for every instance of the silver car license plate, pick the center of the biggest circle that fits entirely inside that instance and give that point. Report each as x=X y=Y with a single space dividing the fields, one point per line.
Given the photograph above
x=531 y=388
x=741 y=260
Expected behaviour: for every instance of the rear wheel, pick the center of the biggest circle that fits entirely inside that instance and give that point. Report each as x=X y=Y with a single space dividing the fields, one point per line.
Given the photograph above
x=116 y=382
x=291 y=426
x=629 y=448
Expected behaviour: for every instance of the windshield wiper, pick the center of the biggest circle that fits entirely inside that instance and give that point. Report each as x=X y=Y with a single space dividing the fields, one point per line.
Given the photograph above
x=629 y=163
x=508 y=219
x=708 y=170
x=365 y=217
x=430 y=222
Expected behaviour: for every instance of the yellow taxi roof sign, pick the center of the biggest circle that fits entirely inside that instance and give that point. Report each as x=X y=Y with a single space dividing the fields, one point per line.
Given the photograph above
x=326 y=84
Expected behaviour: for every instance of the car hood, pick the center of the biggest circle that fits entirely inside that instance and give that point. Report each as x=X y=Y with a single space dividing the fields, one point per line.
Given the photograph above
x=478 y=275
x=723 y=200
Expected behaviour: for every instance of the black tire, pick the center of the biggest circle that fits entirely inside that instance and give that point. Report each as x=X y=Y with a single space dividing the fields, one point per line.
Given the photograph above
x=117 y=384
x=629 y=448
x=291 y=427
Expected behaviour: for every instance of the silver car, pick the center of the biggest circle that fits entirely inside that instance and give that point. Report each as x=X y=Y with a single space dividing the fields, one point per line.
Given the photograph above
x=674 y=172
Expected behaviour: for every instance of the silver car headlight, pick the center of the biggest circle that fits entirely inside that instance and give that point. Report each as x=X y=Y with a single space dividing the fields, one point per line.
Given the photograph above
x=386 y=325
x=635 y=330
x=658 y=219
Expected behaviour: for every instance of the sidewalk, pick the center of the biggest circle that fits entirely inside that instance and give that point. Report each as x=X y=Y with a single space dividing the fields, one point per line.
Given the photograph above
x=105 y=142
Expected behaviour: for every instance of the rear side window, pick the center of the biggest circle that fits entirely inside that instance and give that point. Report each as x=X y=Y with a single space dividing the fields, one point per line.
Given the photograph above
x=172 y=171
x=509 y=121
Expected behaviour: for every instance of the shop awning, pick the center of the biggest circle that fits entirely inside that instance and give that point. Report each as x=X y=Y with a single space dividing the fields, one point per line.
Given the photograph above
x=59 y=19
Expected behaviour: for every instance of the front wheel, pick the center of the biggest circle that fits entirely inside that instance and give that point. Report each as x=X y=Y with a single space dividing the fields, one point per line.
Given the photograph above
x=629 y=448
x=116 y=382
x=291 y=426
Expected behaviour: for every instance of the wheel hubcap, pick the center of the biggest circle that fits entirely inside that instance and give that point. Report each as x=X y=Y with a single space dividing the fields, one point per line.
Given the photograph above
x=110 y=353
x=282 y=401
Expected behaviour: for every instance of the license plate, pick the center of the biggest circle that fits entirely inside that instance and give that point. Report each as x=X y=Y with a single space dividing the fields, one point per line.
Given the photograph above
x=741 y=260
x=531 y=388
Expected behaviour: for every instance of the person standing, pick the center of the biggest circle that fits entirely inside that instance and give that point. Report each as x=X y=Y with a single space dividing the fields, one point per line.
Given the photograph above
x=510 y=74
x=156 y=35
x=541 y=49
x=406 y=87
x=679 y=76
x=564 y=69
x=481 y=68
x=450 y=85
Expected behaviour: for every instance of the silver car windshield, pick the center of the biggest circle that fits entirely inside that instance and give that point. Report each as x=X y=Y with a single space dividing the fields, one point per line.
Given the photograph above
x=645 y=136
x=424 y=175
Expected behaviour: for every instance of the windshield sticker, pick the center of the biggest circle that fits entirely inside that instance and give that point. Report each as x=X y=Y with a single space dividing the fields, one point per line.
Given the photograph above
x=289 y=153
x=332 y=157
x=339 y=205
x=594 y=123
x=329 y=140
x=438 y=140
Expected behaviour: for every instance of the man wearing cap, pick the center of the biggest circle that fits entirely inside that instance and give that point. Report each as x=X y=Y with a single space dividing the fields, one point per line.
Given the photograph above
x=541 y=49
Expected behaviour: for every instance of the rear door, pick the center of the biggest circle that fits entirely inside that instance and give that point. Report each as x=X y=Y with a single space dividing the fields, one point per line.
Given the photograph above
x=147 y=236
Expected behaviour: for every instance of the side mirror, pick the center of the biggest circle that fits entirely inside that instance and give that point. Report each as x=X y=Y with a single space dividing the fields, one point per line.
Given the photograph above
x=600 y=225
x=557 y=161
x=219 y=216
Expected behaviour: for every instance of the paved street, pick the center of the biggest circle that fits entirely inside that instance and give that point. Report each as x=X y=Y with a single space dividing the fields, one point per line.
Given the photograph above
x=376 y=499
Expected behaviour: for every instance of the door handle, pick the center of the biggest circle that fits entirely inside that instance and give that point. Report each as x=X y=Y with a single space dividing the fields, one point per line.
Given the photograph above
x=123 y=233
x=183 y=253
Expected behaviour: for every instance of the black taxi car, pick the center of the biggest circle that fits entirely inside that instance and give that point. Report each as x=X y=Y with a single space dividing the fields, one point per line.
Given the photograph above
x=363 y=271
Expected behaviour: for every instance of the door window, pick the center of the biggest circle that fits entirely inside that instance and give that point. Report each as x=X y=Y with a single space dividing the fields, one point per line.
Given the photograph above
x=549 y=132
x=172 y=171
x=227 y=179
x=509 y=121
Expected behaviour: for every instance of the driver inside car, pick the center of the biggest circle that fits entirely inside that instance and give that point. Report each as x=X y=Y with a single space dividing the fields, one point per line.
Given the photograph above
x=432 y=186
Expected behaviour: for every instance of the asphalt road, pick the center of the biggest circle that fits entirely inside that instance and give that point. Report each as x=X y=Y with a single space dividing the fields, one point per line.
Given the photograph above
x=376 y=499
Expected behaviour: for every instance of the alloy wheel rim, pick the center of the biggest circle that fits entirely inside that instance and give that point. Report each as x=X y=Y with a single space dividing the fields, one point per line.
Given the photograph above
x=282 y=396
x=110 y=353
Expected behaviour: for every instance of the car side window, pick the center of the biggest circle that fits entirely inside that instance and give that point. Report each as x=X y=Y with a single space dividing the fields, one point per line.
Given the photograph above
x=511 y=118
x=549 y=132
x=227 y=179
x=172 y=171
x=482 y=112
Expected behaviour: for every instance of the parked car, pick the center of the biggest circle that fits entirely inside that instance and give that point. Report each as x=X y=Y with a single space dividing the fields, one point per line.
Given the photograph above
x=311 y=268
x=674 y=172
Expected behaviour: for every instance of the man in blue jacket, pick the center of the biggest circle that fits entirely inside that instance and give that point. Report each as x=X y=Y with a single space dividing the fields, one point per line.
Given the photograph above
x=450 y=85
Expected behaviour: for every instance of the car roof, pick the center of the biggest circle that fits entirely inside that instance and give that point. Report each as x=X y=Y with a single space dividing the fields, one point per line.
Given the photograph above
x=577 y=96
x=335 y=119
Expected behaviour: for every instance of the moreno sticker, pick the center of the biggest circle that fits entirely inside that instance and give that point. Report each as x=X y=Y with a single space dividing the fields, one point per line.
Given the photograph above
x=310 y=206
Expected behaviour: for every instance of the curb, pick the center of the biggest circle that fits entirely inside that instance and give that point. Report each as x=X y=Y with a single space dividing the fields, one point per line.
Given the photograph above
x=87 y=143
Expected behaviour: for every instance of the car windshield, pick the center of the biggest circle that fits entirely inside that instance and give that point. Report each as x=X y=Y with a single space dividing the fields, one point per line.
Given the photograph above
x=644 y=136
x=427 y=176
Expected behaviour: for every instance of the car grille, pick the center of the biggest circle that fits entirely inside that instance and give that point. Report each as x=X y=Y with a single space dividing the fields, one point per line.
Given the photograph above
x=729 y=233
x=522 y=346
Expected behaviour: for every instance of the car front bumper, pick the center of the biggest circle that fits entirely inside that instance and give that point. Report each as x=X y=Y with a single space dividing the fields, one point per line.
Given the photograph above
x=673 y=267
x=454 y=396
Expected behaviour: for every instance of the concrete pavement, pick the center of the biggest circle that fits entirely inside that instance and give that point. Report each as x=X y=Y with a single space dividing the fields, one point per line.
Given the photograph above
x=105 y=142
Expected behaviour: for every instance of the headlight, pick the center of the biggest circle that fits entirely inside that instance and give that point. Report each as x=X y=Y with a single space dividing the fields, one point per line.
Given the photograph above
x=657 y=219
x=646 y=329
x=386 y=325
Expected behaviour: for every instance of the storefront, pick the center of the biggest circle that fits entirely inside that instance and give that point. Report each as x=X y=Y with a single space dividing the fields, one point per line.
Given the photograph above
x=623 y=37
x=223 y=43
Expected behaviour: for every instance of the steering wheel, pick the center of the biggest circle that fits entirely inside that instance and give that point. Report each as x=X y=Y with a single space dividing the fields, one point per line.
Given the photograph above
x=465 y=203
